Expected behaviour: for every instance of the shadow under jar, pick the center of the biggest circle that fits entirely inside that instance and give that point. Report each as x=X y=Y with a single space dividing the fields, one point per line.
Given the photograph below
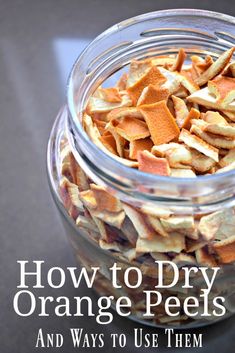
x=74 y=163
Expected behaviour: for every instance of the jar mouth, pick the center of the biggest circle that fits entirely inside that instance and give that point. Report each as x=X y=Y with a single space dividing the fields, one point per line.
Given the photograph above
x=89 y=72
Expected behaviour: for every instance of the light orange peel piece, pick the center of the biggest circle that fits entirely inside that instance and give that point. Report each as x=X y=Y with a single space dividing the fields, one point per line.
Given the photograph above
x=99 y=105
x=153 y=76
x=225 y=250
x=104 y=200
x=111 y=94
x=138 y=69
x=177 y=154
x=176 y=243
x=215 y=141
x=225 y=130
x=187 y=82
x=223 y=88
x=200 y=162
x=114 y=219
x=119 y=140
x=94 y=135
x=148 y=163
x=163 y=60
x=88 y=199
x=217 y=129
x=122 y=112
x=193 y=114
x=70 y=194
x=201 y=64
x=218 y=225
x=194 y=244
x=212 y=117
x=228 y=159
x=88 y=223
x=179 y=61
x=101 y=227
x=129 y=231
x=199 y=144
x=156 y=211
x=78 y=176
x=152 y=94
x=184 y=259
x=138 y=221
x=132 y=129
x=100 y=125
x=230 y=115
x=161 y=123
x=181 y=110
x=181 y=92
x=181 y=224
x=229 y=70
x=204 y=258
x=122 y=82
x=173 y=80
x=109 y=142
x=215 y=68
x=157 y=226
x=205 y=98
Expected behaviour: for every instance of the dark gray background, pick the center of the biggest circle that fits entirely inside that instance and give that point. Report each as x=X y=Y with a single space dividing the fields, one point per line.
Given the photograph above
x=39 y=40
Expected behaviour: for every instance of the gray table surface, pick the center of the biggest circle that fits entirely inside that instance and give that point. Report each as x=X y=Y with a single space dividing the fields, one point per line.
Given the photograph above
x=39 y=40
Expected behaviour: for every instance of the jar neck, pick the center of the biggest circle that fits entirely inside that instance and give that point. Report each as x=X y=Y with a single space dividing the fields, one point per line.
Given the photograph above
x=138 y=38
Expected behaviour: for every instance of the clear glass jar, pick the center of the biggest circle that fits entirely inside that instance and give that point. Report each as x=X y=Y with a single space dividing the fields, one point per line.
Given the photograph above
x=72 y=157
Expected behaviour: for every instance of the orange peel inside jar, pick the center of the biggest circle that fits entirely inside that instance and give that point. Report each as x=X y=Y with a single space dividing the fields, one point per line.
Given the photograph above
x=165 y=118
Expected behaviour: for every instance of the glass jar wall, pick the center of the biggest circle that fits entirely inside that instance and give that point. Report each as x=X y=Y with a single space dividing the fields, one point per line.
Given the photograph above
x=138 y=231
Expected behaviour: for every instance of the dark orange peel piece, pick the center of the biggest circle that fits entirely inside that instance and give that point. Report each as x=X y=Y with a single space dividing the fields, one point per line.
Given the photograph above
x=151 y=164
x=160 y=121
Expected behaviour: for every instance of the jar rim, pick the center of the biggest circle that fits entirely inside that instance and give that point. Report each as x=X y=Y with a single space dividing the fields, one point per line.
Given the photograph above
x=101 y=157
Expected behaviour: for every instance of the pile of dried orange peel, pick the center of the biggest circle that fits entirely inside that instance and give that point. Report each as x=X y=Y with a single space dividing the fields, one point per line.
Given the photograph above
x=167 y=118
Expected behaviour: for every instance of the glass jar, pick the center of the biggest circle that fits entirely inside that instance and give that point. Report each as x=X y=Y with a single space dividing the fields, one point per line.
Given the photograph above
x=74 y=163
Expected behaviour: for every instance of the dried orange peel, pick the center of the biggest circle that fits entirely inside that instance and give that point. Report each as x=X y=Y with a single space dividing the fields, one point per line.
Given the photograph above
x=153 y=76
x=161 y=123
x=151 y=164
x=152 y=94
x=139 y=145
x=132 y=129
